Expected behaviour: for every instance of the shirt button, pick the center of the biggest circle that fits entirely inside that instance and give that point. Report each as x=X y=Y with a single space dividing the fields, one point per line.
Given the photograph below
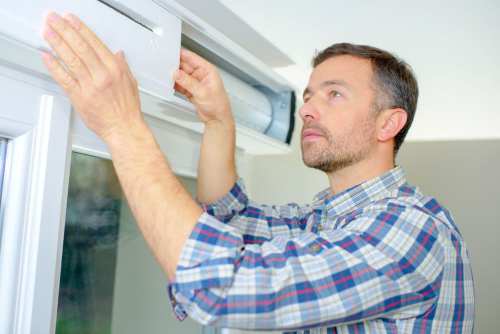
x=320 y=227
x=315 y=248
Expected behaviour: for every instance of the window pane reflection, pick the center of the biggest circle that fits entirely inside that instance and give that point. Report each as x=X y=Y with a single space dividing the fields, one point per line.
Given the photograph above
x=110 y=282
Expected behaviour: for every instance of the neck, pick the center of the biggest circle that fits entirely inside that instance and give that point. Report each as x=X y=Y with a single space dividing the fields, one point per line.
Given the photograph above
x=364 y=170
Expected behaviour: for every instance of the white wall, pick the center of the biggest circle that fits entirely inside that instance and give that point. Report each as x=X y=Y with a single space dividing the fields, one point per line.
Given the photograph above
x=452 y=45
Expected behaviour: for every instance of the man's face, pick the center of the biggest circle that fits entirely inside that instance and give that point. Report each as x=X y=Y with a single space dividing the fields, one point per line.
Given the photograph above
x=338 y=115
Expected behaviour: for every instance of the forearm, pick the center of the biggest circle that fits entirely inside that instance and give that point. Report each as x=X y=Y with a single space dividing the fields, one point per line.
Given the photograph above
x=216 y=167
x=163 y=209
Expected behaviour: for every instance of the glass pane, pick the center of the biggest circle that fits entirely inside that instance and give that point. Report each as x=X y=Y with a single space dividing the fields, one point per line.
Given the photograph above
x=110 y=282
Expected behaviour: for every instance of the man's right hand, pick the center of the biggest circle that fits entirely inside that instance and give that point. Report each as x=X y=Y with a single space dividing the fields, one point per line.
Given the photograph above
x=199 y=81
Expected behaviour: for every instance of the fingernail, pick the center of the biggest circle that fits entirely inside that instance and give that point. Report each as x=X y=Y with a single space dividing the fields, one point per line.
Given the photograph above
x=73 y=20
x=53 y=17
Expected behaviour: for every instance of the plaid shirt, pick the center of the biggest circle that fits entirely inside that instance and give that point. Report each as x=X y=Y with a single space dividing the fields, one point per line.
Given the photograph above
x=379 y=257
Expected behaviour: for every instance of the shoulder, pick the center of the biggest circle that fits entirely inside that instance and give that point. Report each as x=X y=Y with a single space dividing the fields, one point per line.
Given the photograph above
x=403 y=228
x=404 y=209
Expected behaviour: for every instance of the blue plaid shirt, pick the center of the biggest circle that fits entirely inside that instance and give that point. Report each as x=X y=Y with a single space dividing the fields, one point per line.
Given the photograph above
x=379 y=257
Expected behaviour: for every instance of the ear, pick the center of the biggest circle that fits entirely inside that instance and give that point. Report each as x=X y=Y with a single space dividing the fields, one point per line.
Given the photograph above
x=390 y=122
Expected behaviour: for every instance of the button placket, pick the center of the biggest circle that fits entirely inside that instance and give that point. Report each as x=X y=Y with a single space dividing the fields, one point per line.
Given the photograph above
x=322 y=220
x=317 y=219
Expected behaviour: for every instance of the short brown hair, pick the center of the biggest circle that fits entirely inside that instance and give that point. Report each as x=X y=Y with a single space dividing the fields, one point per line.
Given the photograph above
x=394 y=81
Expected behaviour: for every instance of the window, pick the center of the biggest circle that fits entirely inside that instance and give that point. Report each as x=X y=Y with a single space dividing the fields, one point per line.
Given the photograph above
x=3 y=155
x=110 y=282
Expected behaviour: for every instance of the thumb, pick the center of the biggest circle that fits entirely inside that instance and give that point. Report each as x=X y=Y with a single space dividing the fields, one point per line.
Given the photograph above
x=187 y=82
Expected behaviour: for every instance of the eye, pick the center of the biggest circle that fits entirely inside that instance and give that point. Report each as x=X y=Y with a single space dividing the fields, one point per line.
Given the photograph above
x=335 y=93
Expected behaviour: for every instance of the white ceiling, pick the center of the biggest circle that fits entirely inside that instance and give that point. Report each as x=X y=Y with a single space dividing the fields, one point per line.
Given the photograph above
x=453 y=46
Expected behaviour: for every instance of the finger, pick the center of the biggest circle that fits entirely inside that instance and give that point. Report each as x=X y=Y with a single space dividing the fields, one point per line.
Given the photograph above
x=60 y=75
x=187 y=82
x=200 y=73
x=80 y=48
x=67 y=56
x=102 y=51
x=193 y=59
x=122 y=63
x=86 y=50
x=186 y=67
x=182 y=91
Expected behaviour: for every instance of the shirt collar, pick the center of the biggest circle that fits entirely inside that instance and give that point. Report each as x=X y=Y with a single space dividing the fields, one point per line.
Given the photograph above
x=360 y=194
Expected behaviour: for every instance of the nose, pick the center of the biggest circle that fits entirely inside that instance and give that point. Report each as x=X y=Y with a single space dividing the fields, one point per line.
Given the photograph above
x=308 y=112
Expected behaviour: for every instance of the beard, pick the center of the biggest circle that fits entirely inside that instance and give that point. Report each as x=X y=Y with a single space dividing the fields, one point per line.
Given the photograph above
x=330 y=154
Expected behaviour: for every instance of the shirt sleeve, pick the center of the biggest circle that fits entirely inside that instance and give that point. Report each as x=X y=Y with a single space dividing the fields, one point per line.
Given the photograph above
x=380 y=263
x=255 y=222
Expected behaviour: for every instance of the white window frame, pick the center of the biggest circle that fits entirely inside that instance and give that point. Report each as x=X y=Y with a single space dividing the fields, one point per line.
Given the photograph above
x=34 y=199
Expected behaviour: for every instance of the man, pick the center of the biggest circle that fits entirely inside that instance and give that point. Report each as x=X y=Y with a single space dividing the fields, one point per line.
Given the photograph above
x=370 y=254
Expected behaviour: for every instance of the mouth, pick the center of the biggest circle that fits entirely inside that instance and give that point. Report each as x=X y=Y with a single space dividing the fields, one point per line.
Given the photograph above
x=311 y=135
